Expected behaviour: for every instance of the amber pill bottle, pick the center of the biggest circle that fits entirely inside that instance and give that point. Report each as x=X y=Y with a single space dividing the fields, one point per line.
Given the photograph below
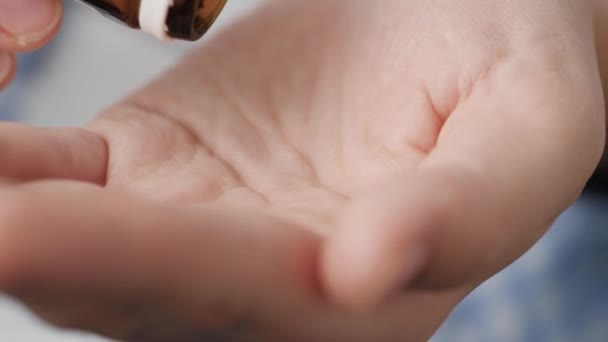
x=166 y=19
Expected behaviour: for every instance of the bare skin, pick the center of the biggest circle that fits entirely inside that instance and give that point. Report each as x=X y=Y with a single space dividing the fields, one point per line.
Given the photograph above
x=342 y=170
x=600 y=9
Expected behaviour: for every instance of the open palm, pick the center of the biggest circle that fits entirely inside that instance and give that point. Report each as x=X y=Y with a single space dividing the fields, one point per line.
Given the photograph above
x=339 y=170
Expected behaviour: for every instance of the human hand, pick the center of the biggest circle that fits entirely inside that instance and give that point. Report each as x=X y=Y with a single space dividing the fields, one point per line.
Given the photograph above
x=24 y=26
x=342 y=170
x=600 y=11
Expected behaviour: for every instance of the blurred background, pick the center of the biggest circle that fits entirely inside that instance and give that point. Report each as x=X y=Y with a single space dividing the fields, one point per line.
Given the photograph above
x=557 y=292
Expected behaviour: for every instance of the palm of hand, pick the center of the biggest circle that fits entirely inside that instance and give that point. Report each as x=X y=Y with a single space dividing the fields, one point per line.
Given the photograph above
x=307 y=119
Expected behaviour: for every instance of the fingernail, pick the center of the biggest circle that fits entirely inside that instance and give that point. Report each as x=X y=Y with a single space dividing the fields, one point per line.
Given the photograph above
x=25 y=22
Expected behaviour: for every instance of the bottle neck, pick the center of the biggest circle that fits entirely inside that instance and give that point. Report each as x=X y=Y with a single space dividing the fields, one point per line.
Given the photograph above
x=190 y=19
x=179 y=19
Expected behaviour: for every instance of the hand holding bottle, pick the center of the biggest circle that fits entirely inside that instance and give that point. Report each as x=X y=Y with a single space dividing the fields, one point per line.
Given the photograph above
x=24 y=26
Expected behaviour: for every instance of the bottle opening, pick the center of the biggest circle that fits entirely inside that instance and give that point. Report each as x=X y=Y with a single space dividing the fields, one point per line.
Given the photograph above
x=190 y=19
x=206 y=14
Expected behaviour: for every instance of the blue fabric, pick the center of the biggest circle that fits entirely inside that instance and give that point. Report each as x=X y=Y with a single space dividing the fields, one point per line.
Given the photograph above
x=11 y=97
x=557 y=292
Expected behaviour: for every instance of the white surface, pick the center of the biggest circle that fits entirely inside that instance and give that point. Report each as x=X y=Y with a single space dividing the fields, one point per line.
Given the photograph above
x=18 y=325
x=93 y=63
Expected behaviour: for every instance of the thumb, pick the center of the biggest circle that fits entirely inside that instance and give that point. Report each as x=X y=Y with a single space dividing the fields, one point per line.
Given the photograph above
x=489 y=190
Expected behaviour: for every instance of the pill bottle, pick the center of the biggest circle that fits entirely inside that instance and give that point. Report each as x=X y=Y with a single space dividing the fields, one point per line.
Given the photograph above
x=165 y=19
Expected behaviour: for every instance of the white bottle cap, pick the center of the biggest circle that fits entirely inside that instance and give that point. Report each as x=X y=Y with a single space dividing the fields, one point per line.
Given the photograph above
x=153 y=17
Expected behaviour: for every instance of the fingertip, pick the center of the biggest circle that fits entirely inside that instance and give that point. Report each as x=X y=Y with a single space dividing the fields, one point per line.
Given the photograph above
x=371 y=258
x=7 y=68
x=387 y=241
x=31 y=153
x=25 y=26
x=346 y=276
